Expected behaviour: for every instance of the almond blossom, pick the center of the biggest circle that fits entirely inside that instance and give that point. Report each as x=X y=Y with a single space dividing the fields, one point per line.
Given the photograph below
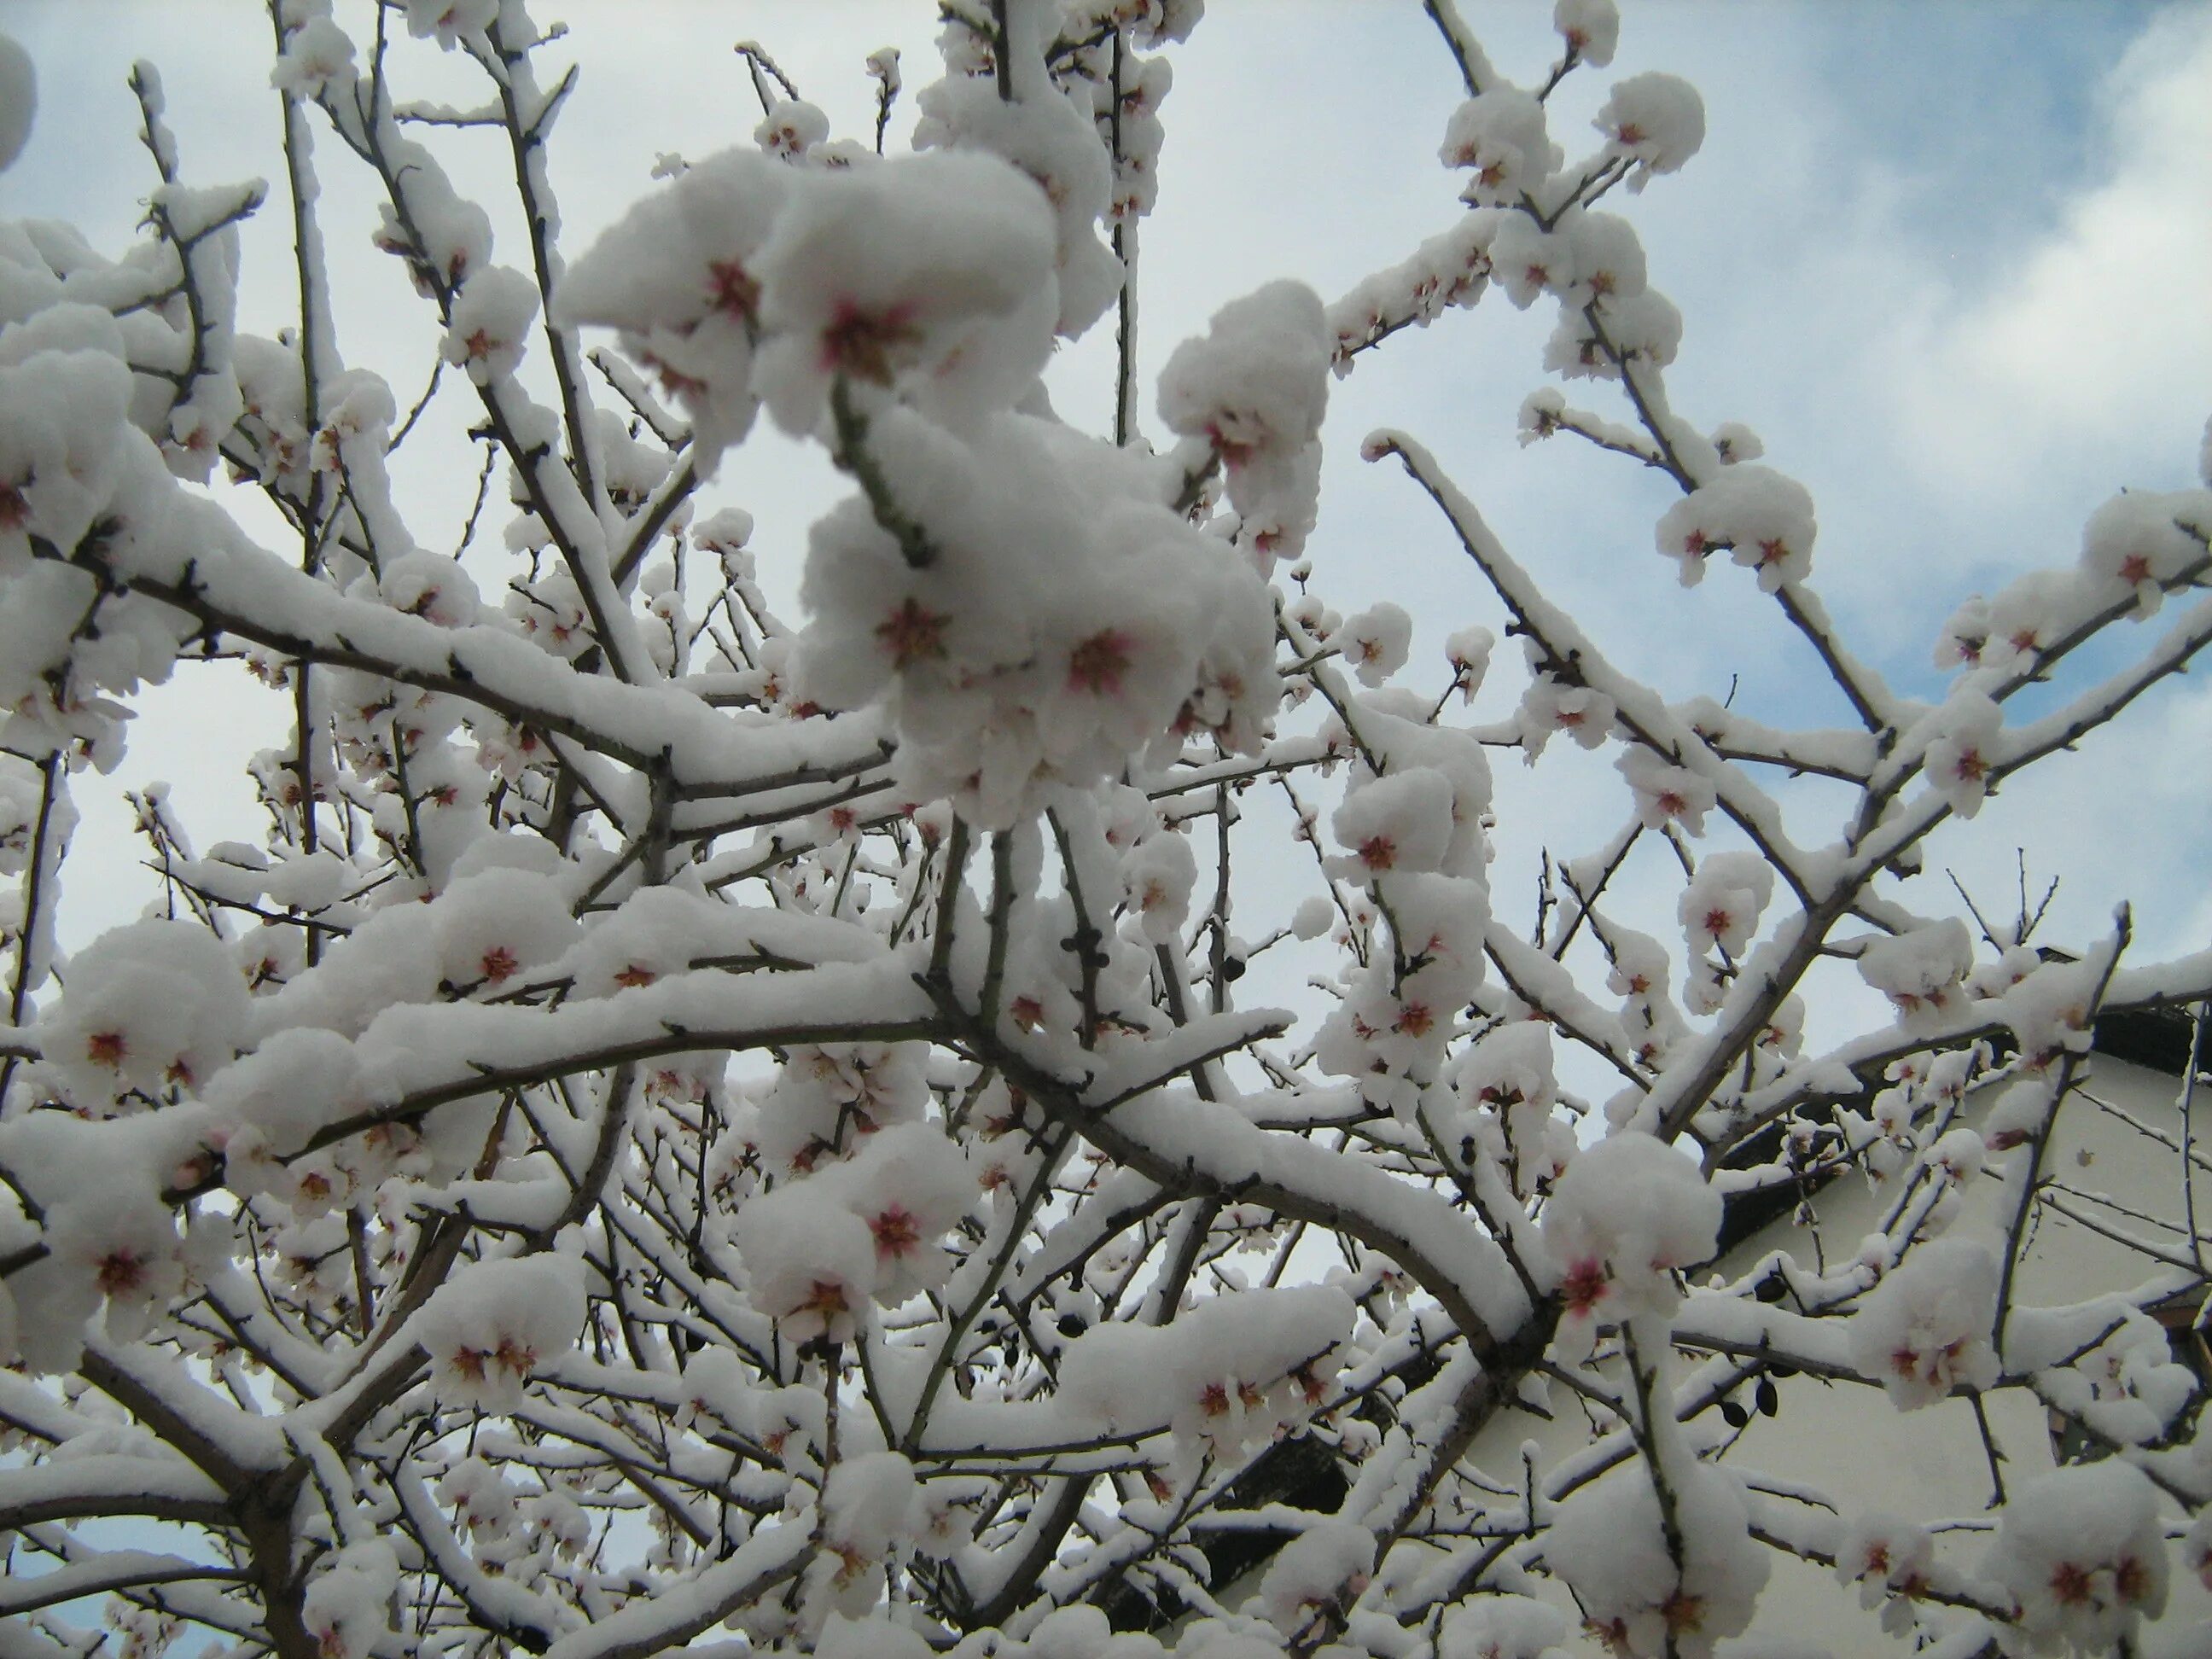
x=1925 y=1329
x=2082 y=1553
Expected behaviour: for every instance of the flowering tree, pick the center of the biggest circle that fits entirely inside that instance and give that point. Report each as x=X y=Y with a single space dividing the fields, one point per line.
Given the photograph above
x=694 y=1131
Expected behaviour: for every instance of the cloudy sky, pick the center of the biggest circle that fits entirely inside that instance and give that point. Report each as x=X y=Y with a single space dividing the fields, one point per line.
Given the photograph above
x=1948 y=261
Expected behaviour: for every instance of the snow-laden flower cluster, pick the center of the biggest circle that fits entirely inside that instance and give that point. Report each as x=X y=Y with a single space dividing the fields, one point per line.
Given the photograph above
x=2136 y=549
x=1719 y=910
x=1032 y=637
x=1921 y=972
x=2128 y=1388
x=871 y=1508
x=1375 y=641
x=1253 y=389
x=1893 y=1562
x=1666 y=794
x=901 y=308
x=1412 y=835
x=932 y=274
x=1629 y=1215
x=1157 y=873
x=1048 y=135
x=1763 y=519
x=1126 y=107
x=2083 y=1555
x=490 y=1327
x=1508 y=1083
x=791 y=128
x=107 y=1248
x=826 y=1101
x=1963 y=748
x=820 y=1248
x=318 y=55
x=1655 y=121
x=1558 y=701
x=1323 y=1568
x=78 y=463
x=452 y=22
x=1499 y=135
x=346 y=1607
x=1589 y=28
x=1450 y=269
x=1926 y=1329
x=150 y=1009
x=1609 y=1544
x=490 y=323
x=1650 y=1017
x=1503 y=1627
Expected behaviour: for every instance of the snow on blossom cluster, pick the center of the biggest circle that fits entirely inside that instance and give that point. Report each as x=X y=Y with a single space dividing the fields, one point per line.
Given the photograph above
x=1508 y=1085
x=1611 y=1543
x=2136 y=549
x=1532 y=232
x=345 y=1609
x=1762 y=519
x=1230 y=1371
x=1043 y=131
x=1035 y=637
x=85 y=450
x=930 y=274
x=1411 y=827
x=1628 y=1218
x=1921 y=972
x=2083 y=1554
x=1023 y=638
x=938 y=274
x=818 y=1247
x=2129 y=1388
x=1927 y=1329
x=1893 y=1562
x=1720 y=908
x=1253 y=390
x=489 y=1328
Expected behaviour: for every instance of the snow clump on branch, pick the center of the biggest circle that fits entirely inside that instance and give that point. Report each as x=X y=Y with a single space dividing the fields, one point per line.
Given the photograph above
x=490 y=1327
x=1628 y=1216
x=1017 y=636
x=1254 y=389
x=2083 y=1555
x=1645 y=1593
x=1032 y=638
x=151 y=1008
x=1925 y=1329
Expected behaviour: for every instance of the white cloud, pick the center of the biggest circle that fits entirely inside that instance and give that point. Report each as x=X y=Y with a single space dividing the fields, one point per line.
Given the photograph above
x=2094 y=349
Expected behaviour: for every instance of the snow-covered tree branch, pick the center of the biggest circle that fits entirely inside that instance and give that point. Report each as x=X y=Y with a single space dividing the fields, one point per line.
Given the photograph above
x=1004 y=1112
